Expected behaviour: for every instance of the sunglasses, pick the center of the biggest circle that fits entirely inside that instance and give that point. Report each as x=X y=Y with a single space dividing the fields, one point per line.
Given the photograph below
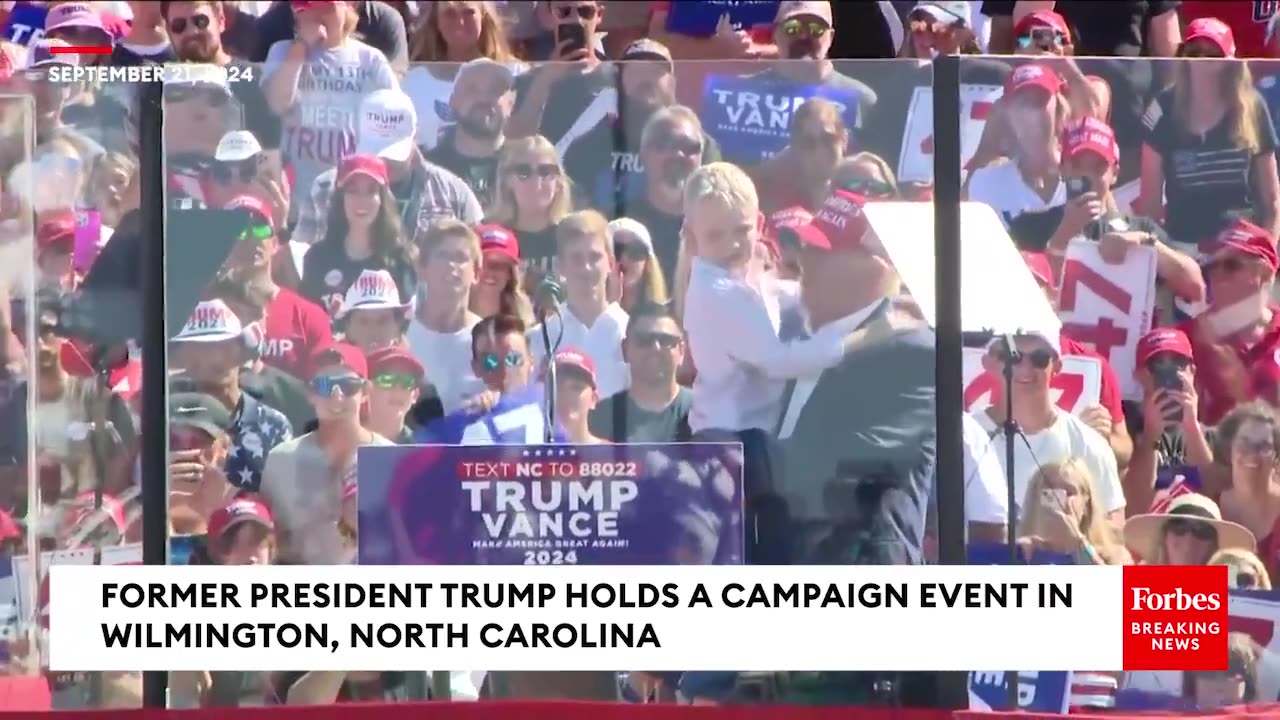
x=584 y=12
x=660 y=340
x=215 y=98
x=1043 y=38
x=179 y=25
x=812 y=28
x=1039 y=358
x=227 y=172
x=191 y=440
x=524 y=171
x=1198 y=530
x=491 y=361
x=259 y=232
x=682 y=144
x=392 y=381
x=1246 y=580
x=870 y=187
x=633 y=251
x=1230 y=265
x=324 y=385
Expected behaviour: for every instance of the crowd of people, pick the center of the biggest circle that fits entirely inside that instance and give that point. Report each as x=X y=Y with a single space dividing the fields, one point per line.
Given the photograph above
x=678 y=201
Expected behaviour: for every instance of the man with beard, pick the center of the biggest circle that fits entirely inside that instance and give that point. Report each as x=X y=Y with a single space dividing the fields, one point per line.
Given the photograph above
x=671 y=147
x=424 y=191
x=606 y=161
x=803 y=31
x=481 y=102
x=195 y=29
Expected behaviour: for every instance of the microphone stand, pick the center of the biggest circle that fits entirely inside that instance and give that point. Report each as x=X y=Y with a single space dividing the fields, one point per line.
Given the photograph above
x=549 y=387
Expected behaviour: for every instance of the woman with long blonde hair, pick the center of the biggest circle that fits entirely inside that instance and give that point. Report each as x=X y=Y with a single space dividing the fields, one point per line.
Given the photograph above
x=1064 y=514
x=531 y=194
x=1209 y=156
x=450 y=34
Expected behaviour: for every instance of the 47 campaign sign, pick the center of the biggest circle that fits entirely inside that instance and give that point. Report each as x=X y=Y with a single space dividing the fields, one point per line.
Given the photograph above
x=640 y=504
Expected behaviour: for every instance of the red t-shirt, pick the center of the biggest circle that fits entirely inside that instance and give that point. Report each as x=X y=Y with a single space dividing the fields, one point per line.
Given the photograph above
x=294 y=326
x=1109 y=385
x=1261 y=362
x=1247 y=19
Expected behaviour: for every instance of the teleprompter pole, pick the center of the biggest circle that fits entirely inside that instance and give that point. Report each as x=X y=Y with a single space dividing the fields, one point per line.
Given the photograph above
x=154 y=341
x=953 y=687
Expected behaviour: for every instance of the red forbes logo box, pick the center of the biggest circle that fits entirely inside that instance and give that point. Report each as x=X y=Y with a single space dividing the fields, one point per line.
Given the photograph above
x=1175 y=618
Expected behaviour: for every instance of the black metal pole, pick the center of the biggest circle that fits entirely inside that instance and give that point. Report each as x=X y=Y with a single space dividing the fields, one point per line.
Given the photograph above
x=1011 y=358
x=953 y=687
x=154 y=453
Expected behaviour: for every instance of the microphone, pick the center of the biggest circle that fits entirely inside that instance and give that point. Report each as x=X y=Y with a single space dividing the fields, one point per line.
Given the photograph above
x=1011 y=347
x=547 y=297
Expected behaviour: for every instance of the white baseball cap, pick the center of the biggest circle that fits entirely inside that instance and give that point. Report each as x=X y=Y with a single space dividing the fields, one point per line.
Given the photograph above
x=373 y=290
x=484 y=63
x=388 y=122
x=237 y=145
x=211 y=321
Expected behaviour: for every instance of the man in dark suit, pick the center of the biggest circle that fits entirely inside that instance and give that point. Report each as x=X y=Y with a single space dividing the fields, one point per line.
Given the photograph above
x=859 y=441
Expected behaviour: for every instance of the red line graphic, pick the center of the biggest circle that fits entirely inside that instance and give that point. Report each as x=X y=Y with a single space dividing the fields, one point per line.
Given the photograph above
x=80 y=49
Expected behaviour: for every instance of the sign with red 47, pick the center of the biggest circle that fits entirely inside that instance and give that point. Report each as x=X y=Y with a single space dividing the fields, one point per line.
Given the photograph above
x=1077 y=387
x=915 y=162
x=1109 y=306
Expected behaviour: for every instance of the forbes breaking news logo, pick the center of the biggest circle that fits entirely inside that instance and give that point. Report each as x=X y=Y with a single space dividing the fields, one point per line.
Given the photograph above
x=1175 y=618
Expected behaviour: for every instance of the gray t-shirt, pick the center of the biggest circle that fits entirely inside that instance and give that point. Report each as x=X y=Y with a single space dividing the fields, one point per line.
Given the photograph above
x=320 y=129
x=304 y=491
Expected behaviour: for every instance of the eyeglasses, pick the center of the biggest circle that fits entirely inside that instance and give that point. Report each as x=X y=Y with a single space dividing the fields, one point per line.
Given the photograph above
x=634 y=251
x=524 y=171
x=324 y=385
x=259 y=232
x=1039 y=358
x=812 y=28
x=682 y=144
x=1043 y=38
x=215 y=98
x=869 y=187
x=660 y=340
x=226 y=172
x=1196 y=529
x=584 y=12
x=179 y=25
x=392 y=381
x=491 y=361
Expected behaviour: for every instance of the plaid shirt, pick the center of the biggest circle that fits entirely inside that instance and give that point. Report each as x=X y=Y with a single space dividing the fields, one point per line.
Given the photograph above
x=431 y=192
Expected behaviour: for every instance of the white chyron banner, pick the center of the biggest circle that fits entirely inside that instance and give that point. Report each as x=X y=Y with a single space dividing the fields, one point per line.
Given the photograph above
x=584 y=618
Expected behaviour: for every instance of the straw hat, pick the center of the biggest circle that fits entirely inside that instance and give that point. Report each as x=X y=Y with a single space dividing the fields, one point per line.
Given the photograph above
x=1143 y=533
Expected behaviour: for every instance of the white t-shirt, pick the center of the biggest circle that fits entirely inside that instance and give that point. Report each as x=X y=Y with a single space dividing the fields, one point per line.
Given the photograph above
x=602 y=342
x=1068 y=437
x=320 y=130
x=1001 y=186
x=985 y=487
x=447 y=360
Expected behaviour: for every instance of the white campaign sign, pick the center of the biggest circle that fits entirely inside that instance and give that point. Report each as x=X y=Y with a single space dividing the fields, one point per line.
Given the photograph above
x=915 y=161
x=1109 y=307
x=1077 y=387
x=28 y=588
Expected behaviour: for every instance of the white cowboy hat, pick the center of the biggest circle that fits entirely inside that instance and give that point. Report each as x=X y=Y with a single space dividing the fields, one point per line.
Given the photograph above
x=1143 y=533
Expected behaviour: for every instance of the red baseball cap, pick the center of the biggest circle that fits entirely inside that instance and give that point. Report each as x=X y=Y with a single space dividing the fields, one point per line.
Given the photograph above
x=788 y=218
x=577 y=360
x=340 y=353
x=1090 y=135
x=9 y=528
x=1244 y=238
x=1213 y=30
x=1041 y=269
x=499 y=241
x=367 y=165
x=1033 y=75
x=240 y=510
x=838 y=225
x=57 y=230
x=383 y=359
x=254 y=205
x=1162 y=340
x=1042 y=19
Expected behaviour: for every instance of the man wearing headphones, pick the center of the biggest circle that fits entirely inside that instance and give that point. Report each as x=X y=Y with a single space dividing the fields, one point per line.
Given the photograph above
x=211 y=349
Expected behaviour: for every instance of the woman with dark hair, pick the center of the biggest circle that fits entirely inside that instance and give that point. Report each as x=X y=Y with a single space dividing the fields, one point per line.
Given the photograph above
x=363 y=233
x=500 y=287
